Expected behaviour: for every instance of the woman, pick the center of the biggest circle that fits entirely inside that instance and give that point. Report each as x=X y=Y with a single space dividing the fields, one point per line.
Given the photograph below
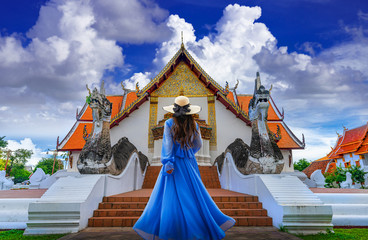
x=180 y=206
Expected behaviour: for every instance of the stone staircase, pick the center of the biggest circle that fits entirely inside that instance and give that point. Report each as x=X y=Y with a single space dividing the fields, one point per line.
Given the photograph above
x=123 y=210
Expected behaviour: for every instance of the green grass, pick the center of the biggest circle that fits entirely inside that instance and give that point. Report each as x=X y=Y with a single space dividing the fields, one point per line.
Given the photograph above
x=18 y=234
x=340 y=233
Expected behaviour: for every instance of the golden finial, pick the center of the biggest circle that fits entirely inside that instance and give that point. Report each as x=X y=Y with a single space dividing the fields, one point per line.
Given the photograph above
x=344 y=128
x=338 y=134
x=237 y=83
x=122 y=85
x=227 y=87
x=182 y=41
x=270 y=89
x=89 y=90
x=137 y=87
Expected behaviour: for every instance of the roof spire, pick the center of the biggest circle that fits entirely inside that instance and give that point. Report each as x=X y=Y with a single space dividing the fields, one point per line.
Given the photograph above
x=182 y=41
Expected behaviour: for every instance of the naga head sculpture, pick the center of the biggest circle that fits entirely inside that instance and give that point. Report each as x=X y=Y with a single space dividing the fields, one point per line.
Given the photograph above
x=258 y=105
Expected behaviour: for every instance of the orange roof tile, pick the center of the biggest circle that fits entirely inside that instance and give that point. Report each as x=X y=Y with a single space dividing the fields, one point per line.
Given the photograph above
x=286 y=141
x=333 y=154
x=322 y=159
x=116 y=106
x=130 y=98
x=315 y=166
x=348 y=148
x=76 y=141
x=356 y=134
x=331 y=167
x=244 y=100
x=350 y=142
x=230 y=96
x=363 y=149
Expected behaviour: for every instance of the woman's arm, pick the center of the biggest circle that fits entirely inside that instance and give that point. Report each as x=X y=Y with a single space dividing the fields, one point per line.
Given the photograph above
x=197 y=141
x=167 y=157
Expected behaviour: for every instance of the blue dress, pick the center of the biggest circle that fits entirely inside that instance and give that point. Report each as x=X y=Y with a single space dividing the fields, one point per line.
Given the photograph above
x=180 y=206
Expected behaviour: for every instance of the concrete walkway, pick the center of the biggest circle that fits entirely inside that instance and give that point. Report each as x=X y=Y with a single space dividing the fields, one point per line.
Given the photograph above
x=127 y=233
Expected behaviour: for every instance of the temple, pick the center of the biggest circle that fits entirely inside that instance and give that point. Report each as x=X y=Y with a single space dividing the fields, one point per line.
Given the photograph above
x=351 y=149
x=138 y=115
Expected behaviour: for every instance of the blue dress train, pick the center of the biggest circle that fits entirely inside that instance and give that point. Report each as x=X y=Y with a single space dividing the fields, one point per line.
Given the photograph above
x=180 y=206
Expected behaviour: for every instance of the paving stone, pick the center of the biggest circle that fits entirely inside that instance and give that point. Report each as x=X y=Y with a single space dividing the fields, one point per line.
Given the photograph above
x=235 y=233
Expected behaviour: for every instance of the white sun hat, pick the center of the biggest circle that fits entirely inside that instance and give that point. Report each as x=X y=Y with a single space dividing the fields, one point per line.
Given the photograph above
x=183 y=101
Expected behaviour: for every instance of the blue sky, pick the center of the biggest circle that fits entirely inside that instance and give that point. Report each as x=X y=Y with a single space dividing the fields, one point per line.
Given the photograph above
x=314 y=52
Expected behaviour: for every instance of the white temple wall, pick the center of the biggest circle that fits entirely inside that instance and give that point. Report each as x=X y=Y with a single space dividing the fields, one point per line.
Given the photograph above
x=351 y=158
x=135 y=128
x=364 y=162
x=339 y=163
x=229 y=127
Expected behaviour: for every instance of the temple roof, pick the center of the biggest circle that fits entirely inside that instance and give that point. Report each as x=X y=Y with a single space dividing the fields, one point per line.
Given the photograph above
x=182 y=56
x=318 y=164
x=352 y=141
x=243 y=101
x=133 y=100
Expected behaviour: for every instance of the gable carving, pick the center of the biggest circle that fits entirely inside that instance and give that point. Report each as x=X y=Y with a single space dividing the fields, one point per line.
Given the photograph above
x=182 y=82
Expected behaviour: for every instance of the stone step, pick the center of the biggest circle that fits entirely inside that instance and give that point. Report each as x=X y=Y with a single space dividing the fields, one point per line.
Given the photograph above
x=239 y=205
x=138 y=212
x=118 y=213
x=125 y=199
x=245 y=212
x=122 y=205
x=112 y=221
x=130 y=221
x=248 y=198
x=252 y=221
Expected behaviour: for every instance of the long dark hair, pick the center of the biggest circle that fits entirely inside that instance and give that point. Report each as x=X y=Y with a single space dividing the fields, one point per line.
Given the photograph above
x=184 y=130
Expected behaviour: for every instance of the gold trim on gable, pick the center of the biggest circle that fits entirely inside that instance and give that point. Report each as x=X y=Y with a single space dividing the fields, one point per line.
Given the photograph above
x=212 y=122
x=182 y=82
x=152 y=120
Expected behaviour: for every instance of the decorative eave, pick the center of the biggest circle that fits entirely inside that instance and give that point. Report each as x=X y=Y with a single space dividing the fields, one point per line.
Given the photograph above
x=181 y=55
x=61 y=145
x=301 y=144
x=277 y=111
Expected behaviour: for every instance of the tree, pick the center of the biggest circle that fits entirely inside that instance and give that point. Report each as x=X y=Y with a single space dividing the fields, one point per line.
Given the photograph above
x=357 y=174
x=3 y=143
x=2 y=164
x=47 y=163
x=18 y=159
x=301 y=164
x=20 y=174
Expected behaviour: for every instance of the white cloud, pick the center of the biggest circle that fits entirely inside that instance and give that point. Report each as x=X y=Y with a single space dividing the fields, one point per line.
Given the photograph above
x=73 y=43
x=28 y=144
x=226 y=54
x=316 y=91
x=134 y=21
